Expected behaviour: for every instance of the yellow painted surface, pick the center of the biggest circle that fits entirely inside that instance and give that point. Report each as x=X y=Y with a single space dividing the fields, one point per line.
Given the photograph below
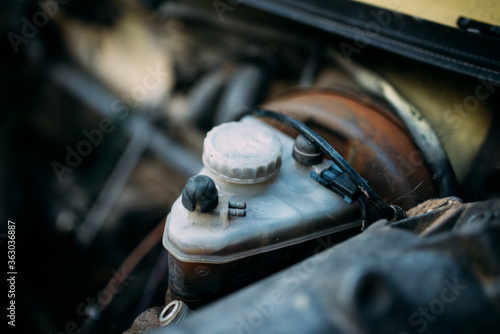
x=444 y=11
x=445 y=100
x=123 y=57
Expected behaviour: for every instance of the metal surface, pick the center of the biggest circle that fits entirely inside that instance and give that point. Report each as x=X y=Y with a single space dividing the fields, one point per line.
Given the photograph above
x=203 y=98
x=418 y=127
x=369 y=138
x=312 y=66
x=245 y=87
x=143 y=136
x=175 y=312
x=94 y=94
x=146 y=321
x=483 y=180
x=159 y=272
x=368 y=26
x=368 y=284
x=64 y=80
x=113 y=187
x=445 y=11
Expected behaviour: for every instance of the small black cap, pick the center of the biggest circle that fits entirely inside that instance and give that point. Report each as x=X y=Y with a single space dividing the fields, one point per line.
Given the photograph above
x=200 y=189
x=305 y=152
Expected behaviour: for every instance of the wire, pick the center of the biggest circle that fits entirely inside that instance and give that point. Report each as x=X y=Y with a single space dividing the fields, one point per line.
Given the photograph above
x=372 y=199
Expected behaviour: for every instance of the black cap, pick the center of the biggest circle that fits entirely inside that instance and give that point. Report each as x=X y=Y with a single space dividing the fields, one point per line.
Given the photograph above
x=200 y=189
x=305 y=152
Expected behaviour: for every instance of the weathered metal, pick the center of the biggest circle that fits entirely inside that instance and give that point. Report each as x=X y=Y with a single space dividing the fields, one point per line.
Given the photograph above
x=146 y=321
x=392 y=278
x=371 y=139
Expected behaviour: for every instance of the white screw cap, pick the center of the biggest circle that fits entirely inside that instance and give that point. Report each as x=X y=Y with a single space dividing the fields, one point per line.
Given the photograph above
x=242 y=152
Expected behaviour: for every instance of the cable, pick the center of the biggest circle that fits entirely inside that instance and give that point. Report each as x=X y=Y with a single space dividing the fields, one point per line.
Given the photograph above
x=383 y=210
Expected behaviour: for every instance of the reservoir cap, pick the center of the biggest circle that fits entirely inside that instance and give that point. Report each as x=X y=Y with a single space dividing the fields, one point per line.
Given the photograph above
x=242 y=152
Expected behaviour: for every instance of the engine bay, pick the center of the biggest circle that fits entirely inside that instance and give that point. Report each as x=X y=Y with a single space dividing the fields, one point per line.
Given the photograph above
x=250 y=167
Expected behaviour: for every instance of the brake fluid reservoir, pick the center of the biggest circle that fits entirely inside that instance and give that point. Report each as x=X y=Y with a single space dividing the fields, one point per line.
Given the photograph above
x=251 y=211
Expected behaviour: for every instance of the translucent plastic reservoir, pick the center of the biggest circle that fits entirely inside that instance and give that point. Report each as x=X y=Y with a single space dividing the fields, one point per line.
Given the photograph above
x=267 y=200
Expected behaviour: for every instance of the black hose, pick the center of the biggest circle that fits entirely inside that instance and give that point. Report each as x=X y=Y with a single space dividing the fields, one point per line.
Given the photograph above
x=383 y=210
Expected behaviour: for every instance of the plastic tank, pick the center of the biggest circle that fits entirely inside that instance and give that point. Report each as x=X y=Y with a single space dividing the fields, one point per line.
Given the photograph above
x=269 y=213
